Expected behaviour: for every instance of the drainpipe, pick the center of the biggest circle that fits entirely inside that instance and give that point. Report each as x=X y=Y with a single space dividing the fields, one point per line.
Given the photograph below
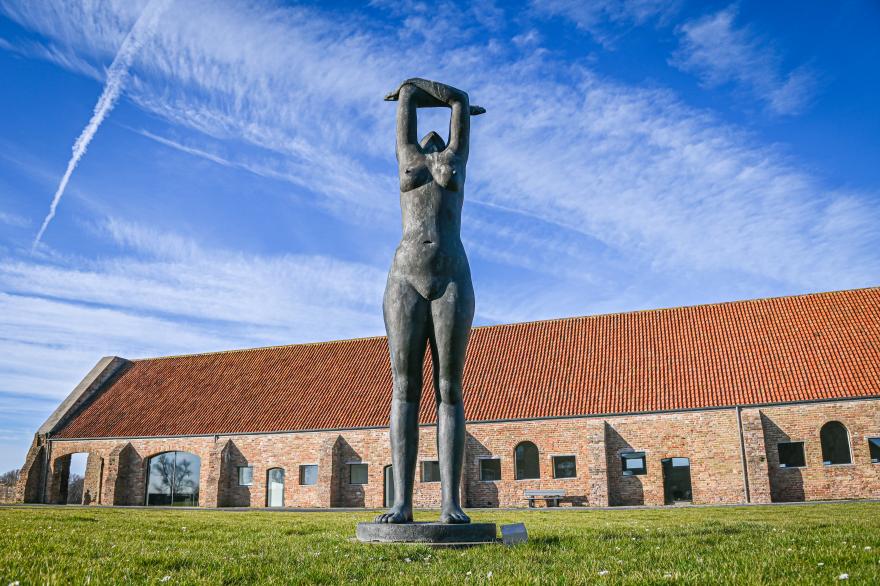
x=46 y=460
x=742 y=453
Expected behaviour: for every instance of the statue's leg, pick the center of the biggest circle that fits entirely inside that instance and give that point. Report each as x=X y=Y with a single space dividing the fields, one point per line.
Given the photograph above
x=452 y=316
x=406 y=323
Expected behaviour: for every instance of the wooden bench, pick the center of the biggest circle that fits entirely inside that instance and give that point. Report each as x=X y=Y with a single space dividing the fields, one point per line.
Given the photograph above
x=551 y=497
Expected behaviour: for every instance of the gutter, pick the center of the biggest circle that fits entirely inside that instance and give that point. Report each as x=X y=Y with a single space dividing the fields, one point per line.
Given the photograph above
x=46 y=459
x=742 y=453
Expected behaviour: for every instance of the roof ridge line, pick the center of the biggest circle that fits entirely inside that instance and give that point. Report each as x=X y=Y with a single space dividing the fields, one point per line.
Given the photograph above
x=523 y=323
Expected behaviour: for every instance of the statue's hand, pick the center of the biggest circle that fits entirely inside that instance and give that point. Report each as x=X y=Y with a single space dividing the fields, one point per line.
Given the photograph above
x=433 y=94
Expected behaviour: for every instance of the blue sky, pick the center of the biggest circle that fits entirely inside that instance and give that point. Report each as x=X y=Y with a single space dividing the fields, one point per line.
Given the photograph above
x=243 y=191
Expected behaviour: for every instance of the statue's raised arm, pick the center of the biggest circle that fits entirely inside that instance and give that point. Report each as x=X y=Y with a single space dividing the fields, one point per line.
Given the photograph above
x=417 y=93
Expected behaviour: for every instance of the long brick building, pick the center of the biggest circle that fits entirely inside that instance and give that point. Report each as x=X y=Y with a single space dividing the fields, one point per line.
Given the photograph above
x=752 y=401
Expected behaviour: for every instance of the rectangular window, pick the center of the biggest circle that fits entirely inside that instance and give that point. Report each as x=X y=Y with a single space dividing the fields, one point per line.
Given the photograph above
x=357 y=473
x=633 y=463
x=564 y=467
x=490 y=469
x=245 y=475
x=308 y=474
x=791 y=454
x=874 y=445
x=431 y=471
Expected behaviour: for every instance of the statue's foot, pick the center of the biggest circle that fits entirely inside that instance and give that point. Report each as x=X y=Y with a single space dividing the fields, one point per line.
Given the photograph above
x=453 y=514
x=396 y=514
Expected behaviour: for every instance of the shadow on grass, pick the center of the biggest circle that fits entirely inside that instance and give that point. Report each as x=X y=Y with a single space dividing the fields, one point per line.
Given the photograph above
x=551 y=540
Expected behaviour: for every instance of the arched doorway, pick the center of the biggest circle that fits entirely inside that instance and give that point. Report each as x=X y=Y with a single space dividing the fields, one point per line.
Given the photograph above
x=76 y=479
x=388 y=475
x=677 y=480
x=275 y=488
x=173 y=479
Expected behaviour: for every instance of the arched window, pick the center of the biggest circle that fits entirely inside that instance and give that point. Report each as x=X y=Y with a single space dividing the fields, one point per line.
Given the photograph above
x=835 y=444
x=526 y=456
x=173 y=479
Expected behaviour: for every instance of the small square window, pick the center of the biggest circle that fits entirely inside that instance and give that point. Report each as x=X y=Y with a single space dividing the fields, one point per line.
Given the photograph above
x=633 y=463
x=564 y=467
x=490 y=469
x=308 y=474
x=791 y=454
x=431 y=471
x=357 y=474
x=245 y=475
x=874 y=446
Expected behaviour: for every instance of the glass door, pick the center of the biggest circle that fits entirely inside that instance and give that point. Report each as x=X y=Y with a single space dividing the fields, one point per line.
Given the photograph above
x=677 y=480
x=276 y=487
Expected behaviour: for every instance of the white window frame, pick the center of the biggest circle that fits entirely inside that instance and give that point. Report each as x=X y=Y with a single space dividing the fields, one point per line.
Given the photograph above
x=849 y=444
x=239 y=469
x=553 y=465
x=480 y=465
x=780 y=466
x=299 y=470
x=868 y=440
x=350 y=464
x=422 y=471
x=623 y=471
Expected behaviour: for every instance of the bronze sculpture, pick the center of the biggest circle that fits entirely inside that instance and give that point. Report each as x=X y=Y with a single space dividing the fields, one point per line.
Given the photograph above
x=429 y=298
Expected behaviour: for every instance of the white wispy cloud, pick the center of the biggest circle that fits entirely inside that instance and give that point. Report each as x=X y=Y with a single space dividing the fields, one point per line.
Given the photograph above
x=719 y=52
x=263 y=299
x=603 y=18
x=116 y=76
x=14 y=220
x=634 y=169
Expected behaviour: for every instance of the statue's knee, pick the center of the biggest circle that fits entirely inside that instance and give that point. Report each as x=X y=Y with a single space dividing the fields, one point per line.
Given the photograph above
x=407 y=388
x=450 y=392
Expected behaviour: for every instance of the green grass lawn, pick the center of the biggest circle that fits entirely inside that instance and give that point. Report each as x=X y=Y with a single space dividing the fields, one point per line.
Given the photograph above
x=796 y=544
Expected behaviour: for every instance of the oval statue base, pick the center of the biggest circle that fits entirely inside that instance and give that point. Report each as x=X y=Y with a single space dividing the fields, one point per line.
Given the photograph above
x=431 y=533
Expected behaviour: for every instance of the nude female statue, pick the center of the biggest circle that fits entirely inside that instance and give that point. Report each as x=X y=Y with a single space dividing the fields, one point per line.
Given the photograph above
x=429 y=298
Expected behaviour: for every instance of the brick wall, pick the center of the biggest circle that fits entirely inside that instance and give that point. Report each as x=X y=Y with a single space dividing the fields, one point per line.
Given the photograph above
x=815 y=481
x=709 y=439
x=116 y=473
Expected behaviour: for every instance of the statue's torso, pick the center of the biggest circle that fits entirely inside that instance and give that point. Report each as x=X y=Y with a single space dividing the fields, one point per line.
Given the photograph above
x=431 y=254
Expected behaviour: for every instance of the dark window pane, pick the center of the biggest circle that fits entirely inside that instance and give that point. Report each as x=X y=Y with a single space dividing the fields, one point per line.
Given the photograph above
x=791 y=455
x=490 y=469
x=160 y=478
x=835 y=444
x=526 y=455
x=245 y=475
x=173 y=479
x=357 y=473
x=431 y=471
x=308 y=474
x=564 y=467
x=633 y=463
x=186 y=479
x=874 y=446
x=676 y=480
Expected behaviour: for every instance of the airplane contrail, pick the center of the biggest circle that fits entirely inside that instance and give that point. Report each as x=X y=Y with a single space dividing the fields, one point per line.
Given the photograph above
x=116 y=77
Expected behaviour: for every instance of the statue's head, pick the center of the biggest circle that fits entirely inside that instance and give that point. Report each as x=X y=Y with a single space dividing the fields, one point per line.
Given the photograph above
x=432 y=143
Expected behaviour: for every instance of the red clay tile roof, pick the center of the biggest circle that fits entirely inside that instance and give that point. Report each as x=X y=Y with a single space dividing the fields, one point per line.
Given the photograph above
x=809 y=347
